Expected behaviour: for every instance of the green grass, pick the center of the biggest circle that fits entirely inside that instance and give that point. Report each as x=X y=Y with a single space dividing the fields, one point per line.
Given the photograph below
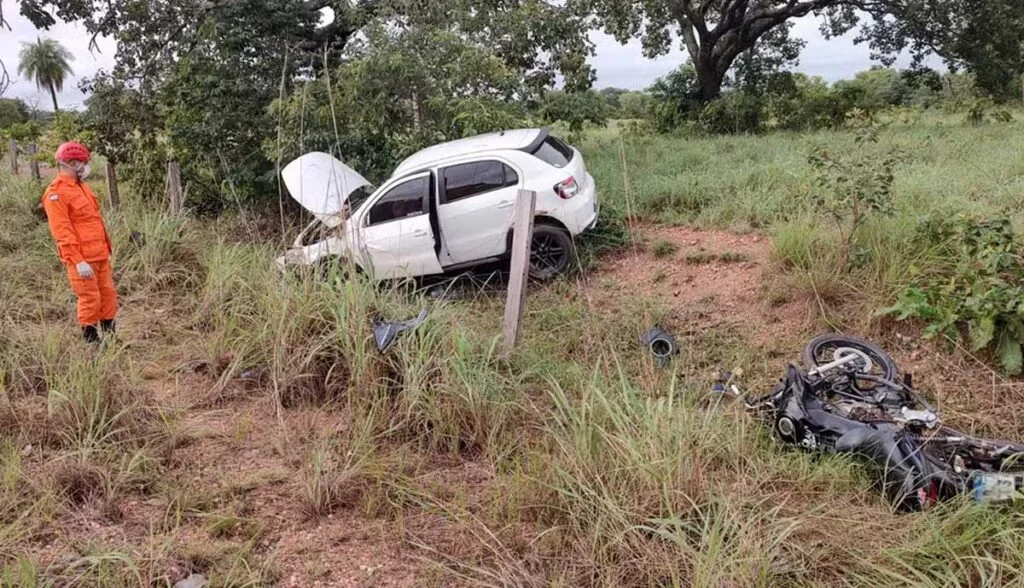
x=664 y=248
x=575 y=462
x=757 y=181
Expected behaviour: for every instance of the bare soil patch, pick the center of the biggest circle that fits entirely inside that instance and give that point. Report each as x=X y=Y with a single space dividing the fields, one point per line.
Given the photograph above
x=710 y=280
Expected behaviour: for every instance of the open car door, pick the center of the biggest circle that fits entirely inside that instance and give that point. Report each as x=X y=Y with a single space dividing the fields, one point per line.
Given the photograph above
x=322 y=185
x=396 y=236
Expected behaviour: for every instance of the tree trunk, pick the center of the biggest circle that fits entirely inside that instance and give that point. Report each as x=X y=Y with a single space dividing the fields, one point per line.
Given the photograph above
x=53 y=94
x=710 y=77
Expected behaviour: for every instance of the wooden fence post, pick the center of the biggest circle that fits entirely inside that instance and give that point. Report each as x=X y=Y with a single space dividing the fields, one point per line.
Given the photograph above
x=33 y=163
x=522 y=235
x=112 y=194
x=12 y=154
x=177 y=198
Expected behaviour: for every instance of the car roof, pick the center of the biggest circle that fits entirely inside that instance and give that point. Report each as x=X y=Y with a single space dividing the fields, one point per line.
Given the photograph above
x=511 y=139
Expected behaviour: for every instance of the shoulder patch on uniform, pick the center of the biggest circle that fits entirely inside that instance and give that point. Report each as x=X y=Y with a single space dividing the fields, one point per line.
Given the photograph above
x=54 y=197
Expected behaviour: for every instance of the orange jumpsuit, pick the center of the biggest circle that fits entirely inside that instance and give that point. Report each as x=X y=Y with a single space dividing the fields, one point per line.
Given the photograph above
x=73 y=212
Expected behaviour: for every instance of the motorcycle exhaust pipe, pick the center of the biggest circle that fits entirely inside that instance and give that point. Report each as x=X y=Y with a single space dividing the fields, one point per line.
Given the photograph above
x=660 y=344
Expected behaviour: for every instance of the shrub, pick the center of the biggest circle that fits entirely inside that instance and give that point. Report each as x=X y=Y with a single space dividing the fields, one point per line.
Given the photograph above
x=853 y=186
x=733 y=114
x=663 y=248
x=675 y=99
x=980 y=288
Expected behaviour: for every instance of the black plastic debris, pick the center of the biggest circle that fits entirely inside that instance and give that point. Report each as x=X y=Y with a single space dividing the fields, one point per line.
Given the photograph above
x=385 y=333
x=725 y=386
x=661 y=344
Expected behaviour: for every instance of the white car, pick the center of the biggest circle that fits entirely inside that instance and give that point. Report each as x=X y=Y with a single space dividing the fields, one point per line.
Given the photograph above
x=446 y=208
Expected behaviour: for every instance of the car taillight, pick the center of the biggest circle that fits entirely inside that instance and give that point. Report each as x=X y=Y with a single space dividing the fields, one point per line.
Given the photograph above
x=567 y=189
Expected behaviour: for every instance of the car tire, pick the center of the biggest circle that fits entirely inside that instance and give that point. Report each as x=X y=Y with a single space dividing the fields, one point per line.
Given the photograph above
x=552 y=252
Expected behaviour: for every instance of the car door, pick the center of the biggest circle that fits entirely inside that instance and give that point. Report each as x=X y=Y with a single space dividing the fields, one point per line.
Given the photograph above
x=476 y=203
x=397 y=240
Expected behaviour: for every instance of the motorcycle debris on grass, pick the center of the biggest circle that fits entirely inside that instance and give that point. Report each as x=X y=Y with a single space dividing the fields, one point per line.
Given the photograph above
x=661 y=344
x=385 y=333
x=847 y=398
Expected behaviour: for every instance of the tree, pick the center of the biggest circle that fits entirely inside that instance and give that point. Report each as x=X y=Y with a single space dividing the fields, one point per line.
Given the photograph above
x=400 y=91
x=46 y=63
x=210 y=70
x=715 y=33
x=634 y=105
x=612 y=96
x=12 y=111
x=576 y=108
x=675 y=98
x=983 y=36
x=762 y=69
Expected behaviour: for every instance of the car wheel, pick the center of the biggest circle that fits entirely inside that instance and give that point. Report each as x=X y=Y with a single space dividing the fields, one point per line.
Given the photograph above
x=551 y=252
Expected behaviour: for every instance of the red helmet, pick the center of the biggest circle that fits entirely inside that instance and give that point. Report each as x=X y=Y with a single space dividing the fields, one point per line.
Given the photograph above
x=72 y=151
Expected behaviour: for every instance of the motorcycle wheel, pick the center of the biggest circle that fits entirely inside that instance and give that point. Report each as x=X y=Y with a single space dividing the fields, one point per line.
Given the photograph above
x=821 y=350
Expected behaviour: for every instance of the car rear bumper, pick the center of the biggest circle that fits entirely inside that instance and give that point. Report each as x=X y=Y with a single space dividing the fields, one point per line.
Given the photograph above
x=582 y=211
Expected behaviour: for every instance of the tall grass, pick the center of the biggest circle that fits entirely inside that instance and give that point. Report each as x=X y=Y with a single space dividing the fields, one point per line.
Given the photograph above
x=746 y=181
x=577 y=462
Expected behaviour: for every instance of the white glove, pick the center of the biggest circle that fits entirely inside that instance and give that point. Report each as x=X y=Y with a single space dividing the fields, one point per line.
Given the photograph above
x=84 y=270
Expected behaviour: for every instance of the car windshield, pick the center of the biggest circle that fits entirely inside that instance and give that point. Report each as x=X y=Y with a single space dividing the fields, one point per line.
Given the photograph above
x=359 y=197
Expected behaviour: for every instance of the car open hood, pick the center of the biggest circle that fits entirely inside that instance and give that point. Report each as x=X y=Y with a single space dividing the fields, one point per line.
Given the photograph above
x=322 y=185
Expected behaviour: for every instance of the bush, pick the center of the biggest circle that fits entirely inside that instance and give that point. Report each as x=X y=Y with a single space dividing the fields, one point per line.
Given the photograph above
x=854 y=186
x=65 y=126
x=664 y=248
x=733 y=114
x=675 y=99
x=979 y=288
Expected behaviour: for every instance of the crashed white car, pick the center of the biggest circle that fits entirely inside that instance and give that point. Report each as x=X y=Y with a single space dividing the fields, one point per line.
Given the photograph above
x=446 y=208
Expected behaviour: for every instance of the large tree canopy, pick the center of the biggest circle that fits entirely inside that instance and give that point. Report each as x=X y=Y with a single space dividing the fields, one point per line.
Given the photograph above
x=714 y=32
x=206 y=72
x=981 y=35
x=985 y=37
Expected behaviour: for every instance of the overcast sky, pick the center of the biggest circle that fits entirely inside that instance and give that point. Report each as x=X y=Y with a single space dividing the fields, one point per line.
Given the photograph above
x=617 y=65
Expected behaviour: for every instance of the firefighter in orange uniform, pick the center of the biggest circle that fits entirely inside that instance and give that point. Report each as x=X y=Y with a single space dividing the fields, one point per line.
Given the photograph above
x=83 y=244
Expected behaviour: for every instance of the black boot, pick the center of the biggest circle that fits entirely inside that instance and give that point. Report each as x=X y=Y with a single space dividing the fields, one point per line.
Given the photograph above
x=108 y=330
x=90 y=334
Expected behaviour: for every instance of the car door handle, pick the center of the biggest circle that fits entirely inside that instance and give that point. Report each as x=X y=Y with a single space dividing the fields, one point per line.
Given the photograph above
x=506 y=204
x=419 y=234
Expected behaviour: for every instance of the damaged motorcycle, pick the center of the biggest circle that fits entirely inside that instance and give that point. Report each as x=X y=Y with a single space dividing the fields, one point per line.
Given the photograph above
x=848 y=399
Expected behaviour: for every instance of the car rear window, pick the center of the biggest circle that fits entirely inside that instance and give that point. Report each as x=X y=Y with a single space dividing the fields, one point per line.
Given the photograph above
x=554 y=152
x=470 y=179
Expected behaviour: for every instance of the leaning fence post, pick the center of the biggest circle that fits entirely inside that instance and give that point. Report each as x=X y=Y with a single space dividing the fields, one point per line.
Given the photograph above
x=176 y=197
x=112 y=194
x=33 y=163
x=12 y=154
x=522 y=235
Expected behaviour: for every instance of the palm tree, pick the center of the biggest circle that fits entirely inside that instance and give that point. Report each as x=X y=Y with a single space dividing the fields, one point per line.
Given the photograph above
x=46 y=62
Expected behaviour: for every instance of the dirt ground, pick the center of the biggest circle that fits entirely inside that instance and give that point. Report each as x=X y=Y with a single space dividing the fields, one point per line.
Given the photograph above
x=708 y=279
x=717 y=280
x=234 y=452
x=714 y=280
